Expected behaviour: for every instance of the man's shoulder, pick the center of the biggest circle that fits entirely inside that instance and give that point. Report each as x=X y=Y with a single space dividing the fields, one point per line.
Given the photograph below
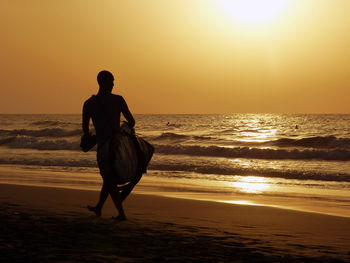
x=90 y=100
x=116 y=97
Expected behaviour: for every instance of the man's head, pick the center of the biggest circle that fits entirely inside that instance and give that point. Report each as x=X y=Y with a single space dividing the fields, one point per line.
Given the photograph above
x=105 y=80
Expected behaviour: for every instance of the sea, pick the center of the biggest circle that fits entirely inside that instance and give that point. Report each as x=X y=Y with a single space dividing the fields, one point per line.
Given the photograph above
x=290 y=161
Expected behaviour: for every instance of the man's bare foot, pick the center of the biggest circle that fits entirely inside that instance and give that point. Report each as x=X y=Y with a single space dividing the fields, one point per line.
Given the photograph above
x=94 y=209
x=119 y=218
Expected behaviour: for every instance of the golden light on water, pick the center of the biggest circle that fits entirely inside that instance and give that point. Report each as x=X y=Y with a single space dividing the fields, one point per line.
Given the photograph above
x=251 y=184
x=258 y=136
x=256 y=129
x=254 y=11
x=241 y=202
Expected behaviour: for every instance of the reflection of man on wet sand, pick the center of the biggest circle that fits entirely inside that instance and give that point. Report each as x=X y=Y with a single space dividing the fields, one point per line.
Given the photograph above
x=104 y=109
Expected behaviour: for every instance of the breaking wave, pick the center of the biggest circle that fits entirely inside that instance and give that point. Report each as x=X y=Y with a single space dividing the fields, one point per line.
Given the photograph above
x=313 y=142
x=254 y=153
x=49 y=123
x=24 y=142
x=223 y=173
x=175 y=136
x=83 y=162
x=47 y=132
x=331 y=154
x=317 y=142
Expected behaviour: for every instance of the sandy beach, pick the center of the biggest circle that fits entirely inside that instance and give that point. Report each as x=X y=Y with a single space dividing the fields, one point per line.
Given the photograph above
x=52 y=225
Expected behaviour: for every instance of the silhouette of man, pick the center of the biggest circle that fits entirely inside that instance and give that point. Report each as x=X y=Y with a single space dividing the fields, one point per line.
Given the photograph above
x=104 y=109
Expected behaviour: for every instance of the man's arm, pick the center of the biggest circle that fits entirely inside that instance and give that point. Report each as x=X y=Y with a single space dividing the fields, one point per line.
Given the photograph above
x=127 y=114
x=86 y=119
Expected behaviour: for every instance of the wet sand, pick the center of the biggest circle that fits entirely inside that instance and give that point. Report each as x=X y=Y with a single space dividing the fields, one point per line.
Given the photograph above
x=42 y=224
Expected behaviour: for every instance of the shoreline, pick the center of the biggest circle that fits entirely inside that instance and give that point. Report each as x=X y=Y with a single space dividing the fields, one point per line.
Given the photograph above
x=174 y=188
x=249 y=231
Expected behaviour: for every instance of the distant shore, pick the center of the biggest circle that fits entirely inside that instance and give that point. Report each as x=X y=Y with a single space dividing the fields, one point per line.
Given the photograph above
x=52 y=224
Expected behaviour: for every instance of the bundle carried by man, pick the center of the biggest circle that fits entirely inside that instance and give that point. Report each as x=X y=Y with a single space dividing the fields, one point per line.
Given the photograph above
x=130 y=154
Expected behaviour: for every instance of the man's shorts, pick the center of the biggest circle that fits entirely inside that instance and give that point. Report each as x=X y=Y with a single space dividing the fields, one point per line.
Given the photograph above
x=104 y=162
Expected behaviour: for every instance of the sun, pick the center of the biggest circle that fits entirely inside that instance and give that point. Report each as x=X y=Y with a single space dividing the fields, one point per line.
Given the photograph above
x=254 y=11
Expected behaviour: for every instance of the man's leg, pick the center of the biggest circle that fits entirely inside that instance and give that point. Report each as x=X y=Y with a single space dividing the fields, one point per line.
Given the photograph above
x=103 y=197
x=128 y=188
x=116 y=197
x=107 y=173
x=106 y=189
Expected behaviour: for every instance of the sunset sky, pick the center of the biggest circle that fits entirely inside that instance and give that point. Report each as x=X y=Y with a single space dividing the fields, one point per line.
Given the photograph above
x=177 y=56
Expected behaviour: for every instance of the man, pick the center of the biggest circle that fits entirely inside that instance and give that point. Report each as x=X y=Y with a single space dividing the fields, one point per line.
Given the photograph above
x=104 y=109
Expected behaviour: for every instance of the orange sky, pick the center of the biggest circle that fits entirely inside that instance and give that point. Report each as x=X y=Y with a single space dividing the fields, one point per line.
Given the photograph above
x=183 y=56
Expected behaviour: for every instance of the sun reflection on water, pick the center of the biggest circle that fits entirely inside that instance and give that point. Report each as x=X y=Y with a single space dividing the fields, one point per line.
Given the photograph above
x=251 y=184
x=262 y=135
x=241 y=202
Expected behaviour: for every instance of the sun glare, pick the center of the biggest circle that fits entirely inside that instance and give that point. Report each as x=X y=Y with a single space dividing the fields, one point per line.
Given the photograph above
x=253 y=11
x=251 y=184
